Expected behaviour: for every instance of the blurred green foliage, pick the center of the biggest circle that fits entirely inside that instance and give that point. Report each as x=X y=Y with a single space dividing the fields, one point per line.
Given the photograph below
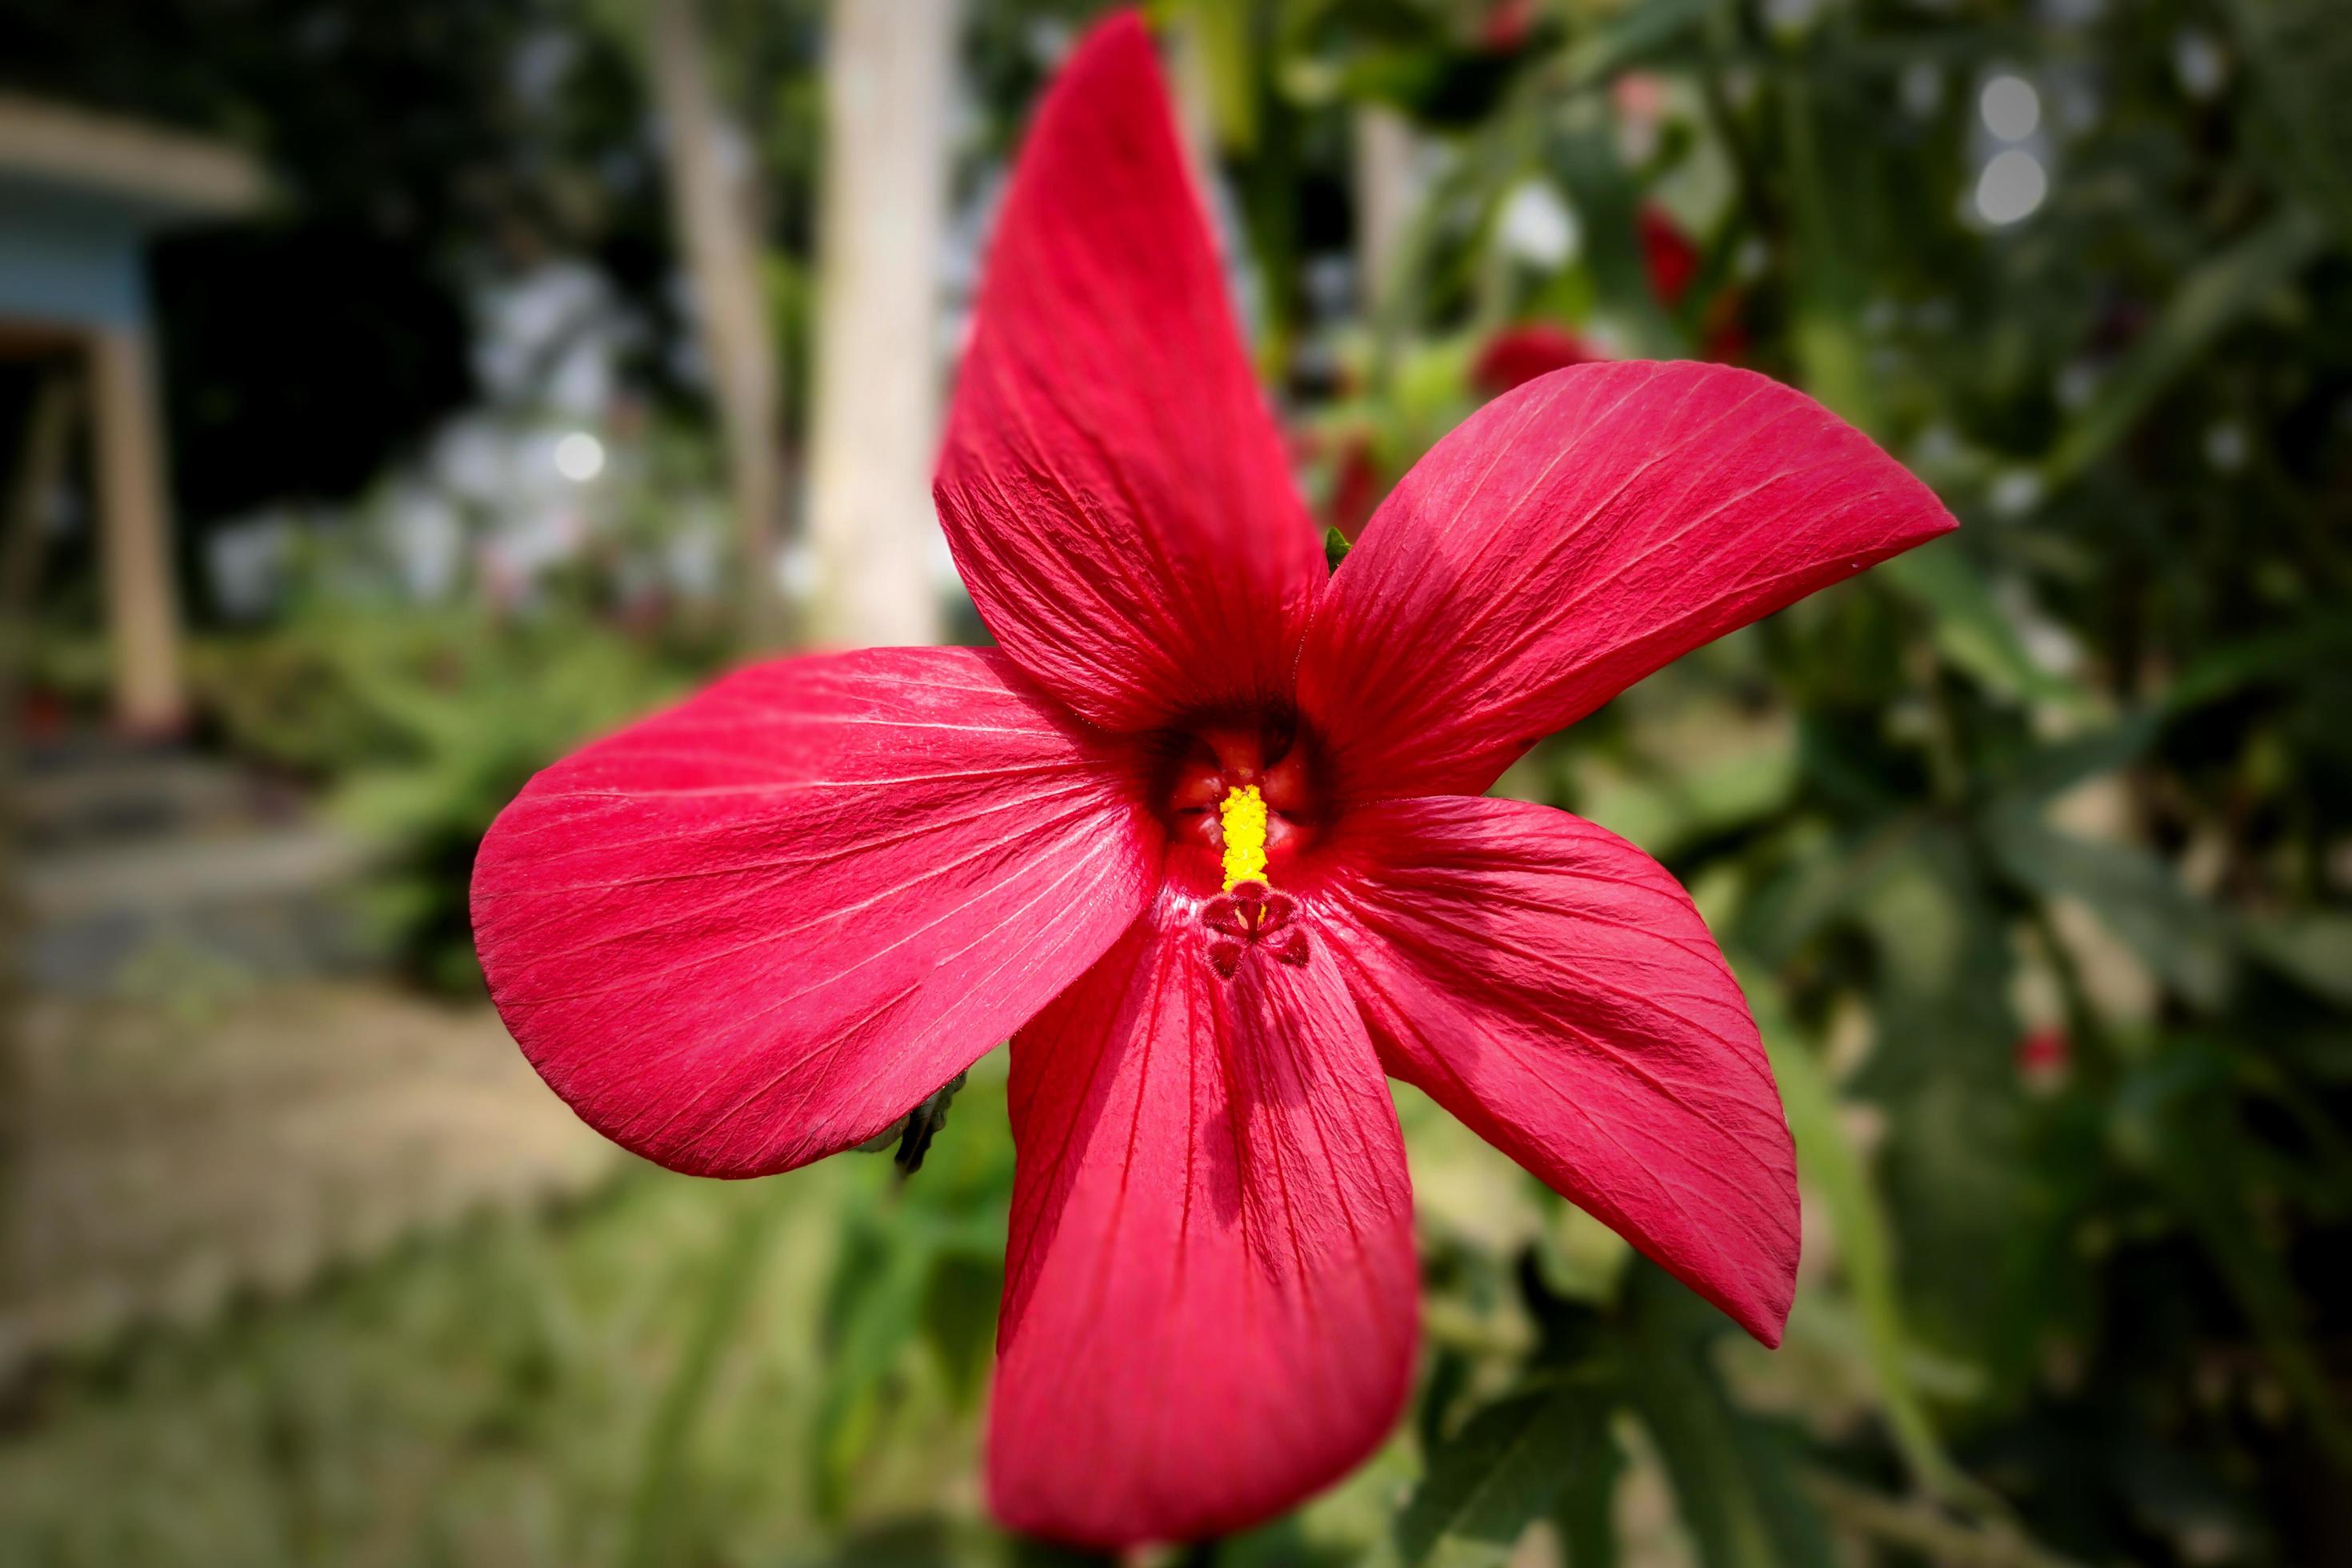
x=420 y=724
x=2033 y=851
x=2031 y=847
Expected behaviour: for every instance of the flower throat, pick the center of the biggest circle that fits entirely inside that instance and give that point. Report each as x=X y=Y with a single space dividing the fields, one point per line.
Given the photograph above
x=1241 y=797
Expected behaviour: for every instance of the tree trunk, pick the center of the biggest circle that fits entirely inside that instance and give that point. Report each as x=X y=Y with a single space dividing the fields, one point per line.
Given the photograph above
x=1388 y=189
x=711 y=211
x=875 y=412
x=48 y=440
x=143 y=604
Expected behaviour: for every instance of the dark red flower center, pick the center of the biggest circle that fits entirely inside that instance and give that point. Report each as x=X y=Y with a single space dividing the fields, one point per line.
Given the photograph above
x=1213 y=762
x=1240 y=799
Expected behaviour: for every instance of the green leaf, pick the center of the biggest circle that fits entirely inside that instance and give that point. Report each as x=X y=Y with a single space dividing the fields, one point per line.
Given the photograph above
x=1969 y=627
x=2212 y=299
x=1500 y=1475
x=1733 y=1481
x=2213 y=677
x=1676 y=799
x=2303 y=54
x=2315 y=950
x=2310 y=648
x=2175 y=1119
x=1607 y=208
x=2187 y=943
x=1833 y=1172
x=876 y=1313
x=1629 y=35
x=2054 y=769
x=959 y=1320
x=662 y=1468
x=1221 y=32
x=1335 y=547
x=1586 y=1513
x=1826 y=264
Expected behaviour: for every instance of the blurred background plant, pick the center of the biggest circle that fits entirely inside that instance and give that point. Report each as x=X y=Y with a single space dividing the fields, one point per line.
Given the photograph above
x=2033 y=849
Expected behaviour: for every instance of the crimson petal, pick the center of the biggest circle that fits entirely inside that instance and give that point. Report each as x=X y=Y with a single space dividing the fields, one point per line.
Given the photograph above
x=1552 y=986
x=1116 y=494
x=1571 y=537
x=1208 y=1307
x=756 y=929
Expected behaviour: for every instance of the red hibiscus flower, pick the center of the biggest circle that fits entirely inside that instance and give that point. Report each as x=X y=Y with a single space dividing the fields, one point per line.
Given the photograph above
x=1204 y=836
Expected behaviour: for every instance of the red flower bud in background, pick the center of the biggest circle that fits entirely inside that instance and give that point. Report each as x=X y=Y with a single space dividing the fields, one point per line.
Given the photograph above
x=2044 y=1058
x=1516 y=356
x=1509 y=24
x=1667 y=254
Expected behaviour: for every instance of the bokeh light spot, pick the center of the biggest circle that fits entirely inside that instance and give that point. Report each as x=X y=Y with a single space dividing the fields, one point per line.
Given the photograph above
x=2010 y=108
x=579 y=457
x=2012 y=187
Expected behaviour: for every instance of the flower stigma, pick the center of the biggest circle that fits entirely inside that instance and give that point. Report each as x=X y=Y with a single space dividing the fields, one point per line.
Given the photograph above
x=1249 y=915
x=1242 y=816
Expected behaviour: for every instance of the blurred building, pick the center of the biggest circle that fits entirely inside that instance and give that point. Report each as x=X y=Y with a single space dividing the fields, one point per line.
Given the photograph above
x=79 y=197
x=206 y=1087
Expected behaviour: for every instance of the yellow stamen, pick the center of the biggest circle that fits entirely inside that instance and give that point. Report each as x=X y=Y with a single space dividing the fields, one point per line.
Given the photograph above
x=1243 y=817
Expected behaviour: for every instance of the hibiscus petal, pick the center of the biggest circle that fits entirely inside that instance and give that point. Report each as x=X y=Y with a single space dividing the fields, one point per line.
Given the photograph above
x=756 y=929
x=1210 y=1289
x=1116 y=494
x=1571 y=537
x=1552 y=986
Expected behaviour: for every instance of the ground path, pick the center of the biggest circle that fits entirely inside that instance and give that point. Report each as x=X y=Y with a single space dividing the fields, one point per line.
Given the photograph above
x=169 y=1155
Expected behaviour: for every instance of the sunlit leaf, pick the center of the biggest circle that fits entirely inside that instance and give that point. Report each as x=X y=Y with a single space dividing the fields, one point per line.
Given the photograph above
x=1969 y=626
x=2184 y=940
x=2314 y=950
x=1831 y=1170
x=669 y=1440
x=1220 y=34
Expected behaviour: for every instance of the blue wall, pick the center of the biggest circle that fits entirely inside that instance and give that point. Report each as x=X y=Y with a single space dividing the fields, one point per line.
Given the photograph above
x=69 y=258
